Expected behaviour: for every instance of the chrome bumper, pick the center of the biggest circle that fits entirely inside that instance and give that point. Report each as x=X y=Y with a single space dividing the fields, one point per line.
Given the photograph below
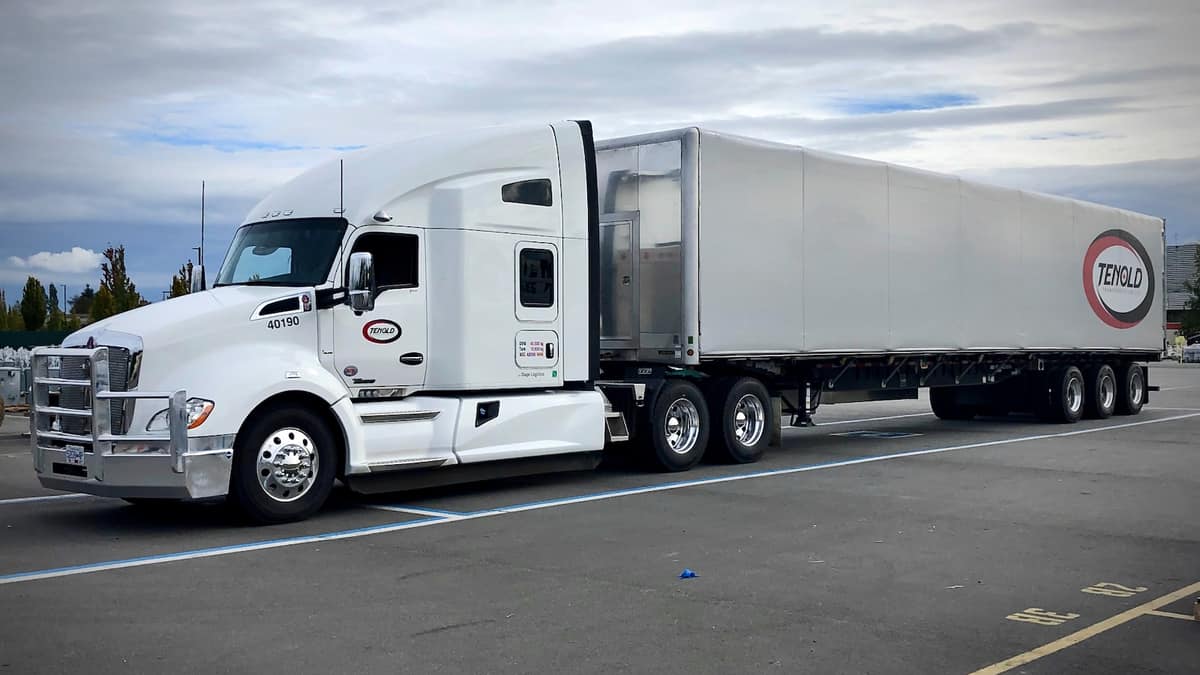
x=112 y=464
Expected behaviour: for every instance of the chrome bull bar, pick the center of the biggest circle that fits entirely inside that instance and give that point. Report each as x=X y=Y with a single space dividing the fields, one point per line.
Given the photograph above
x=102 y=439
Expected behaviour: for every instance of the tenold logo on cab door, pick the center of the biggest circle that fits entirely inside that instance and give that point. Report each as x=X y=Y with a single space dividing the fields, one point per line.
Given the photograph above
x=381 y=331
x=1118 y=279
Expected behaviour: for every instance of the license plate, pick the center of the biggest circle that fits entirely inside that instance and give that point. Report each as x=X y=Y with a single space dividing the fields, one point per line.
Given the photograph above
x=74 y=454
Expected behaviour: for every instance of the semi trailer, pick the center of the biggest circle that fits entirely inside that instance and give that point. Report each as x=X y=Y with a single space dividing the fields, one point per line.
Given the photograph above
x=510 y=301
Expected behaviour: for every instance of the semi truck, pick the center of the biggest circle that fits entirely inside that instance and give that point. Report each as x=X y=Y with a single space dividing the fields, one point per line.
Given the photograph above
x=516 y=300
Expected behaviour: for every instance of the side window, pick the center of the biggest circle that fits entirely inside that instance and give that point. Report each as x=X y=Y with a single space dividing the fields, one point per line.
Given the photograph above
x=396 y=258
x=536 y=270
x=534 y=192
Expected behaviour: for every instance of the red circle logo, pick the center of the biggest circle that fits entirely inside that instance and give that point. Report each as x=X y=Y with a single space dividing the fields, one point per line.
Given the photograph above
x=1118 y=279
x=381 y=331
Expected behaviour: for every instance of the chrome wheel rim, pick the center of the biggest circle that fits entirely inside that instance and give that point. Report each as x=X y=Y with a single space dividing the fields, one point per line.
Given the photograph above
x=1108 y=392
x=1074 y=394
x=749 y=420
x=1135 y=388
x=682 y=426
x=287 y=464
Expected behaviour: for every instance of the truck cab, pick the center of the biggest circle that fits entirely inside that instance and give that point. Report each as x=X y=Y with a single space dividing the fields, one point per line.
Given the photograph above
x=411 y=307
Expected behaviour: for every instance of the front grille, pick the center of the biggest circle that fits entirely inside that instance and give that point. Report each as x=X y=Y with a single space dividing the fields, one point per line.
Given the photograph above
x=75 y=368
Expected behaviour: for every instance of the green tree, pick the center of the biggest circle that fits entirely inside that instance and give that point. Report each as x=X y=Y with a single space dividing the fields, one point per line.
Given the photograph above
x=54 y=318
x=103 y=306
x=1190 y=323
x=115 y=277
x=72 y=323
x=181 y=283
x=3 y=311
x=15 y=321
x=82 y=303
x=33 y=304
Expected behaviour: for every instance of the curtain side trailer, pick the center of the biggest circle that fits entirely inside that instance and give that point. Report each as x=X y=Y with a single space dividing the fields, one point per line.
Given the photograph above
x=512 y=301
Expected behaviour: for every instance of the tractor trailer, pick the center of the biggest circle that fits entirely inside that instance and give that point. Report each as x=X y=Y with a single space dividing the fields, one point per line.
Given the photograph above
x=512 y=301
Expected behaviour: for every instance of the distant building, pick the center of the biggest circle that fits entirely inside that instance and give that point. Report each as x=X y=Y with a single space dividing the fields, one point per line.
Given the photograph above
x=1180 y=268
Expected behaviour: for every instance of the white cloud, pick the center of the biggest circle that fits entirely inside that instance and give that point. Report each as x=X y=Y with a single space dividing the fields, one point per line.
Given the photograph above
x=76 y=261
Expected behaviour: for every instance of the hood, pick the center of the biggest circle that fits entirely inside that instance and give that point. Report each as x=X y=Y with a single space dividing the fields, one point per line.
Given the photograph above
x=186 y=318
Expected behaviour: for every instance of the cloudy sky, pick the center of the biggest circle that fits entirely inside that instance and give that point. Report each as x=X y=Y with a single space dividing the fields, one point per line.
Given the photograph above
x=114 y=111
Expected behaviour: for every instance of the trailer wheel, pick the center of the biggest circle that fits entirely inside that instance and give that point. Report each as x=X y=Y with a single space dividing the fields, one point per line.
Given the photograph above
x=1131 y=389
x=743 y=419
x=284 y=463
x=1065 y=396
x=679 y=426
x=1101 y=394
x=944 y=402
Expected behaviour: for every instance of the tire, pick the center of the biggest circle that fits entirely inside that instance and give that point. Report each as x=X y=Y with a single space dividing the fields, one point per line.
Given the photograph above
x=1131 y=389
x=1101 y=392
x=679 y=426
x=285 y=443
x=1065 y=396
x=743 y=420
x=944 y=402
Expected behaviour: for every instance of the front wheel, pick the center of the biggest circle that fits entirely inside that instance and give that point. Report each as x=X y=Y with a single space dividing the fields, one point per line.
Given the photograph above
x=283 y=466
x=679 y=426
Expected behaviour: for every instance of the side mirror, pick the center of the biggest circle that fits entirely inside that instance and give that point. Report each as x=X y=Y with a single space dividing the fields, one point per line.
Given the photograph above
x=362 y=282
x=197 y=279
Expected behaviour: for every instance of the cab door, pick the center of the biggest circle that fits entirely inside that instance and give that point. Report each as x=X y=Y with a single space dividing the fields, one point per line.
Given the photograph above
x=385 y=348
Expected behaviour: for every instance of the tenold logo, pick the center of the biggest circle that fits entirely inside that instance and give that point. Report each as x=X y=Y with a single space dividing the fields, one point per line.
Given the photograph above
x=1118 y=278
x=381 y=331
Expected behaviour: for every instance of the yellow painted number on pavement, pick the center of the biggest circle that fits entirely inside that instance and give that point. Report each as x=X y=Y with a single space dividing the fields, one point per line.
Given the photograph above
x=1041 y=617
x=1113 y=590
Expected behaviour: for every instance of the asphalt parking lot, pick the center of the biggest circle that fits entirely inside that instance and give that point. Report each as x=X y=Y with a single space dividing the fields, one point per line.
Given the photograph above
x=883 y=540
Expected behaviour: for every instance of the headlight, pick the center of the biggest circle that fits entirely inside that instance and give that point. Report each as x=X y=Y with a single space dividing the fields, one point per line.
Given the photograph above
x=198 y=410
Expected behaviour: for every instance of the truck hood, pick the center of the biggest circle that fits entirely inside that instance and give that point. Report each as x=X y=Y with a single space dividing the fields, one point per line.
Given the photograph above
x=188 y=318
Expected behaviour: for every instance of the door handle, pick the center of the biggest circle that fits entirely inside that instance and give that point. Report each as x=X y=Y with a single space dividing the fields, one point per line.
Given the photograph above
x=412 y=359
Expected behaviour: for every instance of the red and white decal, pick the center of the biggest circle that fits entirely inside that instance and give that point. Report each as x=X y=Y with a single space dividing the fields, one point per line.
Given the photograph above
x=381 y=331
x=1118 y=279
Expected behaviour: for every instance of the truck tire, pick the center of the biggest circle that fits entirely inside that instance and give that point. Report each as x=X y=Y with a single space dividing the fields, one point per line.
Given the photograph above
x=679 y=426
x=1101 y=394
x=284 y=461
x=944 y=402
x=1131 y=389
x=1065 y=396
x=742 y=418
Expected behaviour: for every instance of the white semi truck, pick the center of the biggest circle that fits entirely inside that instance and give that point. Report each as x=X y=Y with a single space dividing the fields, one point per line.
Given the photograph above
x=512 y=301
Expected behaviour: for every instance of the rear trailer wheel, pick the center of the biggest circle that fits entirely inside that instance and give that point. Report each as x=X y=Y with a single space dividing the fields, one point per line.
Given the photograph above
x=945 y=404
x=1101 y=393
x=1131 y=389
x=743 y=418
x=283 y=466
x=1065 y=395
x=679 y=426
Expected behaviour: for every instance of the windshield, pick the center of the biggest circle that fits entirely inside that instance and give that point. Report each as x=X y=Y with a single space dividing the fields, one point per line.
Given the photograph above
x=283 y=252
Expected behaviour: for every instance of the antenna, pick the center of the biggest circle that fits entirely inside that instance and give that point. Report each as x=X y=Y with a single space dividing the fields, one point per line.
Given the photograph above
x=342 y=187
x=201 y=253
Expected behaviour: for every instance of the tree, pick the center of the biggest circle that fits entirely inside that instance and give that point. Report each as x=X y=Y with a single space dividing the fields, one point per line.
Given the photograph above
x=33 y=304
x=55 y=319
x=15 y=321
x=116 y=279
x=1190 y=323
x=3 y=311
x=103 y=306
x=181 y=283
x=82 y=303
x=72 y=323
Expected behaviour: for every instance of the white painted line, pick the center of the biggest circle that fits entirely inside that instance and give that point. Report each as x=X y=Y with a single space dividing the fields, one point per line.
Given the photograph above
x=867 y=419
x=1154 y=407
x=42 y=498
x=417 y=511
x=532 y=506
x=1187 y=386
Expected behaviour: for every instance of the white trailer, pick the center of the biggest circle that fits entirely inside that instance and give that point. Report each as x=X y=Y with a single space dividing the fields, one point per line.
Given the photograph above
x=516 y=300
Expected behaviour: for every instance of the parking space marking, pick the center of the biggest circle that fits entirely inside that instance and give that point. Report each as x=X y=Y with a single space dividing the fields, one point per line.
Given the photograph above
x=43 y=498
x=216 y=551
x=1089 y=632
x=549 y=503
x=418 y=511
x=1171 y=615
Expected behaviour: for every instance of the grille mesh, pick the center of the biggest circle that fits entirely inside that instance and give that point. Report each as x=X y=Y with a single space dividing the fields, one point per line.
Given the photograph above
x=72 y=368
